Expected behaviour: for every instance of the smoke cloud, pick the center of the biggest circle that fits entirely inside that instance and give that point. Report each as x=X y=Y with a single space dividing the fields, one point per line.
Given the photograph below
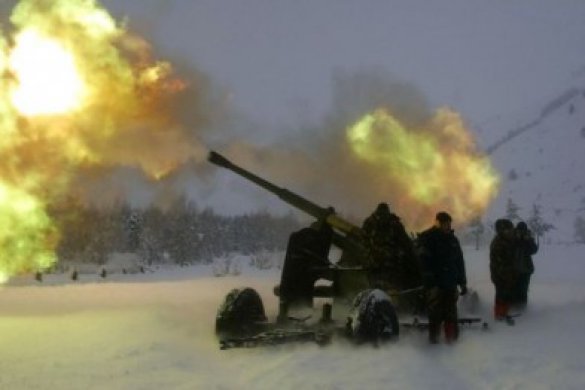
x=82 y=97
x=381 y=143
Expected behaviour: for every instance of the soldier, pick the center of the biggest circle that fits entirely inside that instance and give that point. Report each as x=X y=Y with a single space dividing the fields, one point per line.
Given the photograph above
x=443 y=271
x=502 y=268
x=525 y=248
x=306 y=252
x=395 y=265
x=380 y=220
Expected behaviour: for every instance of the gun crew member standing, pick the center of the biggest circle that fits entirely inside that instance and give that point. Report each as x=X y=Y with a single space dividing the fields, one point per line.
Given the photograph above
x=443 y=271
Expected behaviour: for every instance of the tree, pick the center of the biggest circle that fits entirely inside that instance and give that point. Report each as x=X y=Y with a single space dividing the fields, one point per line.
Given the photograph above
x=150 y=246
x=580 y=230
x=512 y=210
x=477 y=229
x=536 y=223
x=180 y=232
x=512 y=175
x=132 y=229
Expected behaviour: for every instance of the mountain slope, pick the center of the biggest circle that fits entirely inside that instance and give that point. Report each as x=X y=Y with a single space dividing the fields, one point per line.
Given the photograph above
x=542 y=162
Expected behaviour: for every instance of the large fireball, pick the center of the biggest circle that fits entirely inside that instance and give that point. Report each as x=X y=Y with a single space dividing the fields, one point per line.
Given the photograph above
x=422 y=171
x=46 y=77
x=77 y=91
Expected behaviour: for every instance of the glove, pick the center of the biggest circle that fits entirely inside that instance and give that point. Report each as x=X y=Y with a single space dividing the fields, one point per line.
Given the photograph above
x=463 y=290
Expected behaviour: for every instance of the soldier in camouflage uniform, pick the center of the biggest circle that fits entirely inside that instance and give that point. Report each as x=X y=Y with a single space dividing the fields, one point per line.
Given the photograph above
x=503 y=272
x=392 y=251
x=443 y=271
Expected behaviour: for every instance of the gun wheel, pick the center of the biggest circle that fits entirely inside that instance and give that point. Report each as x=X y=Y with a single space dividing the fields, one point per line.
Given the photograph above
x=373 y=317
x=241 y=313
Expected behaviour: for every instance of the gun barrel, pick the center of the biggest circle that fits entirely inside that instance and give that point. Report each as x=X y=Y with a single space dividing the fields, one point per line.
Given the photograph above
x=322 y=213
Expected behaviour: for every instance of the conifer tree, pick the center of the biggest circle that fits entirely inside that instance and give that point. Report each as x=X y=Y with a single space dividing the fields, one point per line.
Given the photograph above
x=477 y=230
x=536 y=223
x=512 y=210
x=580 y=229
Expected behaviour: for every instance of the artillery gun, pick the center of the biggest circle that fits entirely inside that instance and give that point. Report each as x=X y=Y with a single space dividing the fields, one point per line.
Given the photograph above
x=360 y=285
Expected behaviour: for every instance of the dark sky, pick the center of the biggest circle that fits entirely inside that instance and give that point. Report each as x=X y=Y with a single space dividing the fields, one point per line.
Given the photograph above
x=277 y=58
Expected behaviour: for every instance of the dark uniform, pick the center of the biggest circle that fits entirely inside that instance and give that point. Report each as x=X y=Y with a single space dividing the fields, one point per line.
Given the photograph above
x=306 y=254
x=503 y=252
x=392 y=251
x=443 y=271
x=525 y=248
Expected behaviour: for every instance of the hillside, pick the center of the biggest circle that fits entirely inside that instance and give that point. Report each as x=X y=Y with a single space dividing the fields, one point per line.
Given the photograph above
x=541 y=159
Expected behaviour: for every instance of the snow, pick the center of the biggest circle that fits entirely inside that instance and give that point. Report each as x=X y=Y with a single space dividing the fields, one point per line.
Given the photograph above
x=155 y=331
x=546 y=160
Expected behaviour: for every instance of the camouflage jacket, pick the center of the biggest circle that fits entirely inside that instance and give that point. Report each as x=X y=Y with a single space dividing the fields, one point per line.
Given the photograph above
x=392 y=251
x=503 y=255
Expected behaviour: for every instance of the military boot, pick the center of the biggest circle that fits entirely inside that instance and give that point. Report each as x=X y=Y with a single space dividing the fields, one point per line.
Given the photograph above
x=501 y=310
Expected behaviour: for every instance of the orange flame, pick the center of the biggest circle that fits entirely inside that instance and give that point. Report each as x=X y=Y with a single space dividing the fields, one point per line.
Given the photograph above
x=77 y=90
x=426 y=170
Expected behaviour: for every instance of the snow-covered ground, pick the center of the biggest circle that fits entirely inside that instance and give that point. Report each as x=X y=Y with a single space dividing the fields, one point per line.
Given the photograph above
x=155 y=331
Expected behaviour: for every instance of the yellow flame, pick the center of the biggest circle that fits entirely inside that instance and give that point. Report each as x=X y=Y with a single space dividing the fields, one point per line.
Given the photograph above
x=27 y=233
x=426 y=170
x=77 y=91
x=47 y=78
